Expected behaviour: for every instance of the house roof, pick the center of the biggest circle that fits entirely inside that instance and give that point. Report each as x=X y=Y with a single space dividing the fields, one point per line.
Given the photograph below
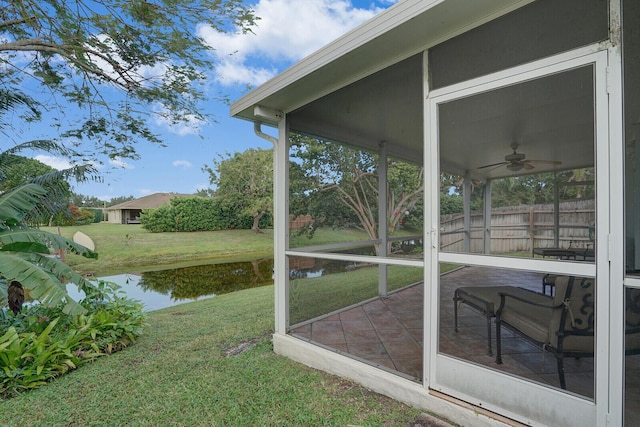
x=147 y=202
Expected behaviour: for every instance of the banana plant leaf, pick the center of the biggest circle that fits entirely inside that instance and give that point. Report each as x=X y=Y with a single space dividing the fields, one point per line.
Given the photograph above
x=42 y=276
x=15 y=204
x=25 y=247
x=60 y=270
x=16 y=234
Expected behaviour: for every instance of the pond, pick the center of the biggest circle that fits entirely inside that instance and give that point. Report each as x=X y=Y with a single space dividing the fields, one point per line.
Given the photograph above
x=166 y=288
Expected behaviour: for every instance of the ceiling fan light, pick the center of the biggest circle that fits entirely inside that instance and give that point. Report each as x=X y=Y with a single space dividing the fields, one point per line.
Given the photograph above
x=515 y=166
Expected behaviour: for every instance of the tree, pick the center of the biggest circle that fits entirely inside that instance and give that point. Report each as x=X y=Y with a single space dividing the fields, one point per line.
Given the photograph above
x=245 y=182
x=119 y=62
x=18 y=169
x=351 y=176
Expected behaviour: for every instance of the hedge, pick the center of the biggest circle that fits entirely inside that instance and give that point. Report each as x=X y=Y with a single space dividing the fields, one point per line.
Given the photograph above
x=197 y=214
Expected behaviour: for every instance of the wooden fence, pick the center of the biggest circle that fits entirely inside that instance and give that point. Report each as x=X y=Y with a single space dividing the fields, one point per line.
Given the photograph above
x=522 y=228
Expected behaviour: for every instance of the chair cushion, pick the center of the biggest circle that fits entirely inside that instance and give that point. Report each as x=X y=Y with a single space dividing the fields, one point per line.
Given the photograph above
x=531 y=320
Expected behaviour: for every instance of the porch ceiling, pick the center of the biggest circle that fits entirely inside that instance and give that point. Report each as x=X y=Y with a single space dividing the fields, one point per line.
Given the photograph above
x=551 y=118
x=367 y=87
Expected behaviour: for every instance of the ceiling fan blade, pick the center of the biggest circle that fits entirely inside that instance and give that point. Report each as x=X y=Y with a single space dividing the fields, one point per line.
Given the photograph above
x=527 y=165
x=493 y=164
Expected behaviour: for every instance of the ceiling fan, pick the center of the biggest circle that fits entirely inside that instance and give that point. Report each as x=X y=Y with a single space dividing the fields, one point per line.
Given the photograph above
x=517 y=161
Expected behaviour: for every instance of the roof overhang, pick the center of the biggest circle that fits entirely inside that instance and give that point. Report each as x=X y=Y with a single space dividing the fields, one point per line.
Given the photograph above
x=368 y=87
x=405 y=29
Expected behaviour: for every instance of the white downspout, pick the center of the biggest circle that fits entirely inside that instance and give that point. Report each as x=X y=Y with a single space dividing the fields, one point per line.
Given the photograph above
x=280 y=221
x=257 y=128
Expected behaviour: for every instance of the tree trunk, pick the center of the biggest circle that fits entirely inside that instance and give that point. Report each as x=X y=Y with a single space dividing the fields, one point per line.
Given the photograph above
x=256 y=221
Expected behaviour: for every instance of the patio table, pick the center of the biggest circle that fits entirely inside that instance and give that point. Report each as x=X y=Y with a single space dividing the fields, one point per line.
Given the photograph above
x=565 y=253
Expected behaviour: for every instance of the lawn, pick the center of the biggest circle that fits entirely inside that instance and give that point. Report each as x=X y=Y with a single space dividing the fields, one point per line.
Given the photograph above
x=131 y=249
x=206 y=363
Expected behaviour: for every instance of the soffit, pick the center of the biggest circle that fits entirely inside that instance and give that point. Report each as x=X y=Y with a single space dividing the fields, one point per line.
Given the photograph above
x=365 y=89
x=395 y=34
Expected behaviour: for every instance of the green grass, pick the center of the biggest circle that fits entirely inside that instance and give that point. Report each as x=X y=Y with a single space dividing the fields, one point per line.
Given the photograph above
x=131 y=249
x=205 y=363
x=179 y=374
x=317 y=296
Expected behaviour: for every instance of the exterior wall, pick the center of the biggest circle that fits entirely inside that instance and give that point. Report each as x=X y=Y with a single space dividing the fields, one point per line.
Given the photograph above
x=115 y=216
x=124 y=216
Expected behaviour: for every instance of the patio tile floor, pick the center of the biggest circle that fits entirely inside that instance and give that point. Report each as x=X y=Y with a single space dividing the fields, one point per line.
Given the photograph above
x=388 y=332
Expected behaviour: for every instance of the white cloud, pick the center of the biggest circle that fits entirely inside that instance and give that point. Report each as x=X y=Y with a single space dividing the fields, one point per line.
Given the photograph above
x=287 y=30
x=118 y=162
x=58 y=163
x=181 y=164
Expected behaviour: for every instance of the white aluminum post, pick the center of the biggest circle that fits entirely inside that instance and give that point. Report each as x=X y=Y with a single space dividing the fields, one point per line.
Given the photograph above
x=382 y=218
x=281 y=226
x=556 y=212
x=466 y=194
x=611 y=410
x=633 y=198
x=487 y=218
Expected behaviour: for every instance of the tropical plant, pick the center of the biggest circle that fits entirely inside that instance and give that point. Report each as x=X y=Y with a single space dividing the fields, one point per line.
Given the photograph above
x=44 y=343
x=27 y=255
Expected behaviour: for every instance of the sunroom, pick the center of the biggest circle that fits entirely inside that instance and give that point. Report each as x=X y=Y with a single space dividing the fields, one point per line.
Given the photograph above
x=488 y=148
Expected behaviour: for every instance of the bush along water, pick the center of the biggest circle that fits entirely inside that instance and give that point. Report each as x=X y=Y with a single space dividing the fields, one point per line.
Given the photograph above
x=41 y=343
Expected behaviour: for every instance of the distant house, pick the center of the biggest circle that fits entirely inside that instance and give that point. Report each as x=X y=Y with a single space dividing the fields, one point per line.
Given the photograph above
x=129 y=212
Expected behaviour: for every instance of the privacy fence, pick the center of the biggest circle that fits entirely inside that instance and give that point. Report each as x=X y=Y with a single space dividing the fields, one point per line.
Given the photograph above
x=522 y=228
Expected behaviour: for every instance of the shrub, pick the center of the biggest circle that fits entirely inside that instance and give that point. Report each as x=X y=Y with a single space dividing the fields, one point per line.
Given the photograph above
x=98 y=215
x=42 y=343
x=158 y=220
x=196 y=214
x=74 y=216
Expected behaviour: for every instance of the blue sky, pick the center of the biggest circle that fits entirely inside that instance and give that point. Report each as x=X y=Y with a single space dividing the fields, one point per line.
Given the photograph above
x=288 y=30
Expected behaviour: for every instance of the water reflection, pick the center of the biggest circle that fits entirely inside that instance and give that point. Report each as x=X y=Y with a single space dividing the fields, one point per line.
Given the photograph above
x=165 y=288
x=190 y=283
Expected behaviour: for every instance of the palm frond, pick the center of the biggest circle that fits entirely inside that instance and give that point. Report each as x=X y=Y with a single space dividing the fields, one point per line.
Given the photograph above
x=80 y=173
x=50 y=146
x=12 y=100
